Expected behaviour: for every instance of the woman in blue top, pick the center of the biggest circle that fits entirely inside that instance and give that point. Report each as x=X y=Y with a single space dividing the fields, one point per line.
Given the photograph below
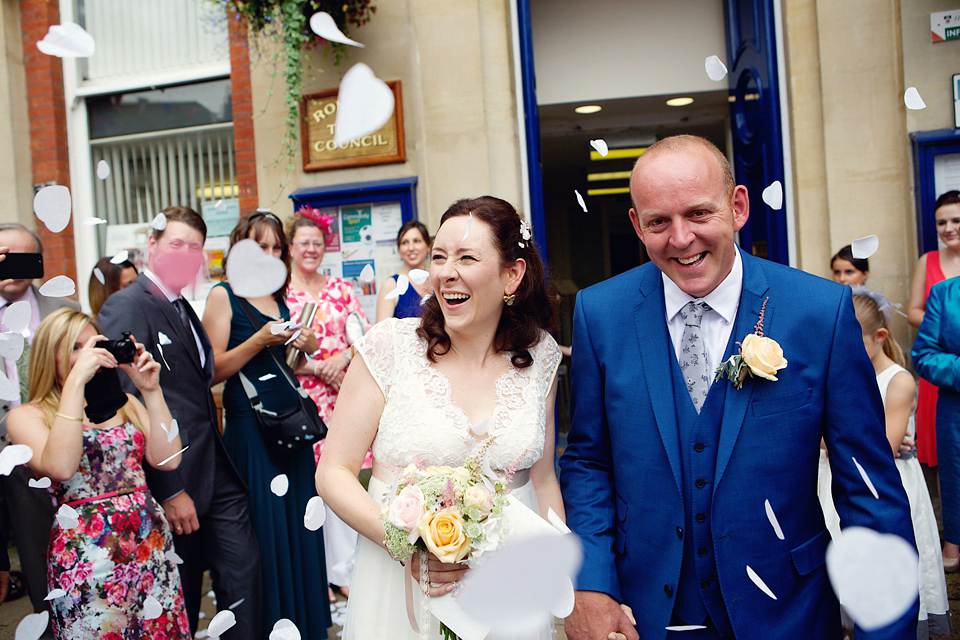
x=413 y=242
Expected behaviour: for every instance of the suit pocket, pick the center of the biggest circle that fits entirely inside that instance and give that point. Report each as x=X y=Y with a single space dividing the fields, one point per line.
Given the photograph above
x=811 y=555
x=783 y=404
x=620 y=536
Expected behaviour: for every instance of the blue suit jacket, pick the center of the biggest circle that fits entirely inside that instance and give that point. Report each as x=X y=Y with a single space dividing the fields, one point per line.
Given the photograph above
x=621 y=472
x=936 y=353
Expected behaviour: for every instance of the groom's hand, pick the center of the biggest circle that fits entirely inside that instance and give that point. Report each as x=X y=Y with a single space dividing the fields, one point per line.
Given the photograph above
x=597 y=616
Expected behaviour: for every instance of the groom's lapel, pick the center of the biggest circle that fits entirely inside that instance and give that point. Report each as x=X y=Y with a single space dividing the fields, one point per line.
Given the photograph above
x=656 y=354
x=736 y=402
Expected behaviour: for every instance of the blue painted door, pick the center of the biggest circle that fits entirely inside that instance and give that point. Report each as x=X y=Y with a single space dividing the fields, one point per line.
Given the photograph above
x=755 y=121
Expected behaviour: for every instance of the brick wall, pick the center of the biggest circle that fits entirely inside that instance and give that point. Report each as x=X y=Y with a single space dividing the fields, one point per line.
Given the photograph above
x=245 y=157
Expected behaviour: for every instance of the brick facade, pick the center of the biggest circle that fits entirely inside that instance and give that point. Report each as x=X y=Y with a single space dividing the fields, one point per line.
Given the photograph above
x=245 y=148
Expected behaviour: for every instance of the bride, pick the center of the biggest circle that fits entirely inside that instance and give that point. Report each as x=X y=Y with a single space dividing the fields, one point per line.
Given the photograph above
x=479 y=364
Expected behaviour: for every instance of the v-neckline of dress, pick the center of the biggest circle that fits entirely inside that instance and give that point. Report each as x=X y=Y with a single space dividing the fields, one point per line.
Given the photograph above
x=448 y=399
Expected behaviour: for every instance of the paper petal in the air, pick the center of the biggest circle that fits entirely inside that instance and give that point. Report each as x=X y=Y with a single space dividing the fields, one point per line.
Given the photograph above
x=515 y=589
x=166 y=460
x=555 y=520
x=99 y=275
x=92 y=222
x=760 y=583
x=773 y=195
x=236 y=604
x=151 y=608
x=284 y=629
x=601 y=146
x=122 y=256
x=55 y=593
x=159 y=222
x=403 y=283
x=220 y=623
x=772 y=517
x=268 y=376
x=103 y=170
x=173 y=431
x=875 y=575
x=279 y=485
x=58 y=287
x=322 y=24
x=716 y=70
x=481 y=428
x=426 y=298
x=365 y=103
x=583 y=205
x=32 y=626
x=866 y=479
x=11 y=345
x=42 y=483
x=418 y=276
x=911 y=98
x=466 y=232
x=13 y=455
x=67 y=40
x=163 y=357
x=172 y=557
x=686 y=627
x=252 y=273
x=67 y=517
x=293 y=337
x=9 y=389
x=16 y=317
x=863 y=248
x=52 y=205
x=315 y=513
x=366 y=274
x=163 y=338
x=220 y=205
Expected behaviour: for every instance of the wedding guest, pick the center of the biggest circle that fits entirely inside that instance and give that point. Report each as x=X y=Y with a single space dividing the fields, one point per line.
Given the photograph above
x=113 y=561
x=413 y=243
x=933 y=267
x=936 y=357
x=322 y=371
x=114 y=277
x=899 y=394
x=479 y=366
x=849 y=270
x=669 y=464
x=291 y=556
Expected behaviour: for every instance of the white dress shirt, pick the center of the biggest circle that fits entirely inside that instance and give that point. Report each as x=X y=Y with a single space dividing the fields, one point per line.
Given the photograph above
x=171 y=296
x=717 y=321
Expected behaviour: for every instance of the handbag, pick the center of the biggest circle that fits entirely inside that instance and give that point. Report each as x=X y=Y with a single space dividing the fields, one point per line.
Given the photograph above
x=290 y=430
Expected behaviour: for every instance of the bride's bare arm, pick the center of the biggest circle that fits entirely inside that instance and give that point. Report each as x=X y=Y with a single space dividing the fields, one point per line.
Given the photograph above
x=353 y=427
x=543 y=472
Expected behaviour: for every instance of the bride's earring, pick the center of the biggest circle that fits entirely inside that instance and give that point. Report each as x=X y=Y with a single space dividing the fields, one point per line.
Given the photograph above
x=509 y=298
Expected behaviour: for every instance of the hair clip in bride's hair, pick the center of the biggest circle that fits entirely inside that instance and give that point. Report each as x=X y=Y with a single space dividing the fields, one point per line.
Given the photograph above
x=524 y=233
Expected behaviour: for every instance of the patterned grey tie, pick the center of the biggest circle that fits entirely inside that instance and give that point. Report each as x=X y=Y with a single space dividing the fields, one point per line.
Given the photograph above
x=693 y=353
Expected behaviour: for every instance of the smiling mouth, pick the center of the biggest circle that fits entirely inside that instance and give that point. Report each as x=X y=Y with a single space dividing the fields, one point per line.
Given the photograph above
x=692 y=260
x=455 y=299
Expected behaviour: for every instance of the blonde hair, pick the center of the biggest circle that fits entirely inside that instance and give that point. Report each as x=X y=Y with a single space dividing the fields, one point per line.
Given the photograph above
x=52 y=346
x=871 y=320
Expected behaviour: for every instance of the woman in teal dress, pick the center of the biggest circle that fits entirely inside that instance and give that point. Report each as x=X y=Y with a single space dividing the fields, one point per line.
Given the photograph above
x=294 y=574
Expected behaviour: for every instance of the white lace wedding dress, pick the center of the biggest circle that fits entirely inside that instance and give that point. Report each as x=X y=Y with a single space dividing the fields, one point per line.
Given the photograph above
x=420 y=422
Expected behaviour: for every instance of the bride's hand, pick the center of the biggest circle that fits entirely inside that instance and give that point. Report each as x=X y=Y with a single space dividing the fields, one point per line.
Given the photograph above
x=442 y=576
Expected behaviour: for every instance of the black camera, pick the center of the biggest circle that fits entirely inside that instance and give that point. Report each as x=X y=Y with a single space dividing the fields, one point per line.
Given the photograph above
x=124 y=349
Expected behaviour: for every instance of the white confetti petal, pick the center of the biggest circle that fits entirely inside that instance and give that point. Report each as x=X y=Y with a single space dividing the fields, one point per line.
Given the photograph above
x=686 y=627
x=555 y=520
x=773 y=195
x=236 y=604
x=90 y=222
x=163 y=357
x=269 y=376
x=152 y=608
x=760 y=583
x=67 y=517
x=252 y=273
x=172 y=557
x=866 y=479
x=14 y=455
x=481 y=428
x=366 y=274
x=122 y=256
x=911 y=98
x=315 y=514
x=583 y=205
x=220 y=623
x=58 y=287
x=772 y=517
x=55 y=593
x=67 y=40
x=103 y=170
x=159 y=222
x=52 y=205
x=863 y=248
x=365 y=104
x=279 y=485
x=426 y=297
x=403 y=283
x=293 y=337
x=601 y=146
x=11 y=345
x=220 y=205
x=202 y=615
x=16 y=317
x=32 y=626
x=284 y=629
x=418 y=276
x=9 y=389
x=716 y=70
x=469 y=227
x=99 y=275
x=166 y=460
x=42 y=483
x=211 y=594
x=322 y=24
x=875 y=575
x=163 y=338
x=174 y=430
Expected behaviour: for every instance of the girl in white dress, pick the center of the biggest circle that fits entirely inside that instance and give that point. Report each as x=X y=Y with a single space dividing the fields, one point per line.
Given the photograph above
x=479 y=364
x=899 y=392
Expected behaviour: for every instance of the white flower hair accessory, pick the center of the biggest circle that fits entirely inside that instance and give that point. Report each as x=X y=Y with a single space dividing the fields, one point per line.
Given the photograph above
x=524 y=233
x=883 y=305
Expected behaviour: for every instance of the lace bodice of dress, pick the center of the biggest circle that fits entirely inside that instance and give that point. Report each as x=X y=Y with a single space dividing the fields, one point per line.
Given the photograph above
x=420 y=420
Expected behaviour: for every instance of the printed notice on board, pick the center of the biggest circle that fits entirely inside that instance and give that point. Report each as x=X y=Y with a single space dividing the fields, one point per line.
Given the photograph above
x=387 y=220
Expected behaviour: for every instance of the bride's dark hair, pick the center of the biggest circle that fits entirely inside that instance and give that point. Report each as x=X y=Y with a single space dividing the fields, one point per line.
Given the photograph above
x=532 y=312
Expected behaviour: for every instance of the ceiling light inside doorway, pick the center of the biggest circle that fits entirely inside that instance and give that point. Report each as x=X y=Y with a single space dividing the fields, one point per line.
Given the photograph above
x=679 y=102
x=588 y=108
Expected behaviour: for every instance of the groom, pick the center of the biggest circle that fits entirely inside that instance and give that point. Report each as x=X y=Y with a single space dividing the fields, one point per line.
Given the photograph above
x=667 y=472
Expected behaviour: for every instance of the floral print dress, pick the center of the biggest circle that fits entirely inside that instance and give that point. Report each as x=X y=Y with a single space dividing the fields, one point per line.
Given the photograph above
x=114 y=560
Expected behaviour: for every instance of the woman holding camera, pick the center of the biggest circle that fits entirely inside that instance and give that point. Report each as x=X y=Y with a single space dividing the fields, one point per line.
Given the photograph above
x=110 y=561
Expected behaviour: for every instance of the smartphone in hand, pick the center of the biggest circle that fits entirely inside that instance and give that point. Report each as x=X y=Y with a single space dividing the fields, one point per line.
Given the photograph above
x=21 y=266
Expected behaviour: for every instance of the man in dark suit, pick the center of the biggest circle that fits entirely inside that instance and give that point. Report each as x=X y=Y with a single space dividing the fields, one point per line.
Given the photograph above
x=30 y=511
x=204 y=499
x=667 y=470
